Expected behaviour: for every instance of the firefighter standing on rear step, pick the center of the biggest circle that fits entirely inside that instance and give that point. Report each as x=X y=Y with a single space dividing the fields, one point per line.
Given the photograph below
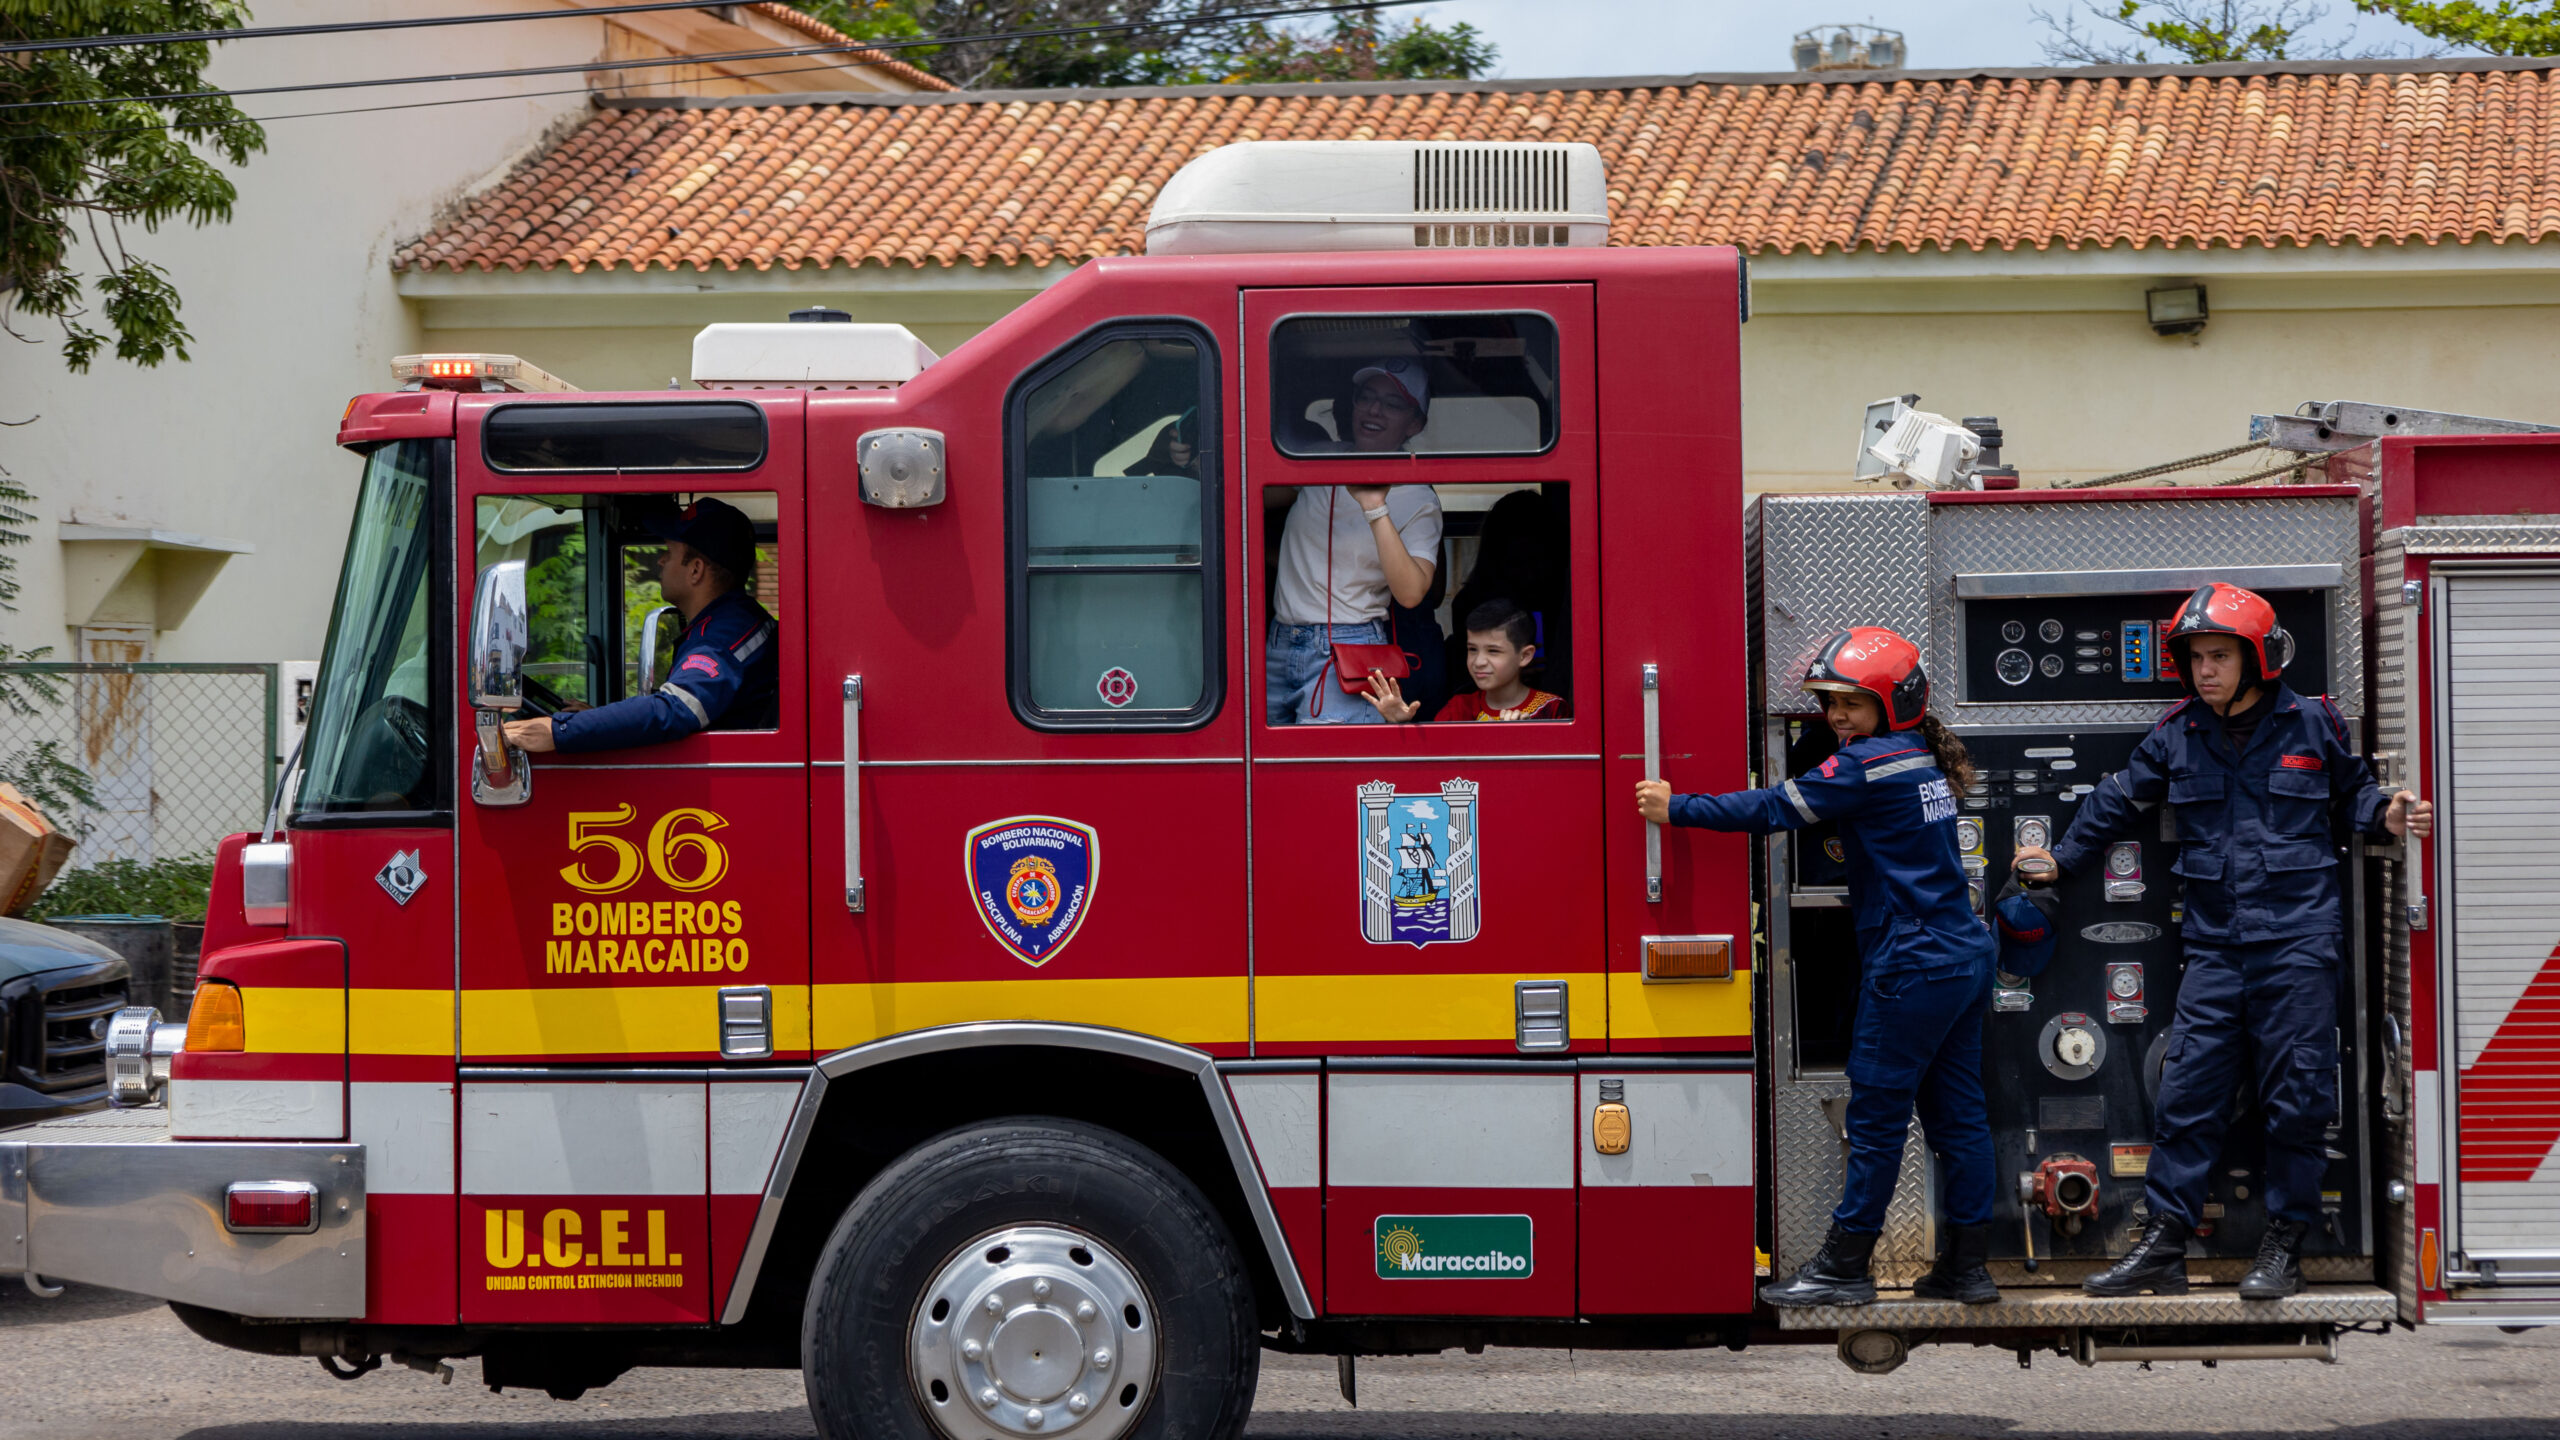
x=2259 y=779
x=1926 y=957
x=726 y=674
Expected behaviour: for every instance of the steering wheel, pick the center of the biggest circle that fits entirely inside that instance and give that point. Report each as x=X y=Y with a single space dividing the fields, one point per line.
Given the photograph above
x=388 y=756
x=541 y=699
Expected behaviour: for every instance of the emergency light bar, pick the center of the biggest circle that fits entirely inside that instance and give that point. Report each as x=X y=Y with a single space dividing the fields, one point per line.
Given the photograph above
x=475 y=372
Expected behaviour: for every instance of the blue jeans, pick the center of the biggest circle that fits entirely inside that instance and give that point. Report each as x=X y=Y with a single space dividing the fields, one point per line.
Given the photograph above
x=2270 y=1008
x=1297 y=668
x=1919 y=1042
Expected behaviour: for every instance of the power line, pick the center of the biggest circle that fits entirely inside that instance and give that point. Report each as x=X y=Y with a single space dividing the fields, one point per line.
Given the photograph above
x=268 y=32
x=787 y=53
x=585 y=89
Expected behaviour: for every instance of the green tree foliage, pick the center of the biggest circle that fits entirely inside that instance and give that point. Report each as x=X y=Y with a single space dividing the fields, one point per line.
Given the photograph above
x=2502 y=27
x=177 y=888
x=2188 y=32
x=1348 y=46
x=75 y=176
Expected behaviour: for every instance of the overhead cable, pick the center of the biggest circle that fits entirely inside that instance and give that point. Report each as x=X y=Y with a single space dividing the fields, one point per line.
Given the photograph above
x=794 y=52
x=335 y=27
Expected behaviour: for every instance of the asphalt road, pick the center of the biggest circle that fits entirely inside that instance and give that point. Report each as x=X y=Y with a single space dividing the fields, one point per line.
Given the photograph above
x=96 y=1364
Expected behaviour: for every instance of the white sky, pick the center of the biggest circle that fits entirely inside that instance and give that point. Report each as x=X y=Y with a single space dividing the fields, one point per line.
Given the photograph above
x=1674 y=37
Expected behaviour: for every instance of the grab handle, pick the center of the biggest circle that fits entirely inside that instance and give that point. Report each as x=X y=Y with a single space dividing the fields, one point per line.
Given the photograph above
x=1652 y=771
x=853 y=793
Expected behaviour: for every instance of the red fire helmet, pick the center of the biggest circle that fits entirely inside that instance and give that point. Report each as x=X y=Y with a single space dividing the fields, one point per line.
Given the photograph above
x=1874 y=660
x=2219 y=609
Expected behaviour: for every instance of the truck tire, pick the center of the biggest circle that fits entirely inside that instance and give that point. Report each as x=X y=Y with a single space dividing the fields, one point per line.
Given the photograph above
x=1028 y=1279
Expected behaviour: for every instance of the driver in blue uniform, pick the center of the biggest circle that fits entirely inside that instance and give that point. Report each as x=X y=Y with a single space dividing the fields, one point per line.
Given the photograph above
x=726 y=674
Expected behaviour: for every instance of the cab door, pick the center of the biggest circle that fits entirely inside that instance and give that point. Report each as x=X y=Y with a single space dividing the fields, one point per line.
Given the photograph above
x=1428 y=893
x=644 y=907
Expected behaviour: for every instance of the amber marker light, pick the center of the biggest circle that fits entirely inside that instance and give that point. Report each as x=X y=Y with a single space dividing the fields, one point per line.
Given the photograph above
x=1688 y=957
x=215 y=1021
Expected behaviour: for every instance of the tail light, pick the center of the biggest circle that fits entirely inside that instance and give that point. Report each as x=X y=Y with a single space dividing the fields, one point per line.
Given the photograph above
x=271 y=1207
x=216 y=1020
x=1688 y=957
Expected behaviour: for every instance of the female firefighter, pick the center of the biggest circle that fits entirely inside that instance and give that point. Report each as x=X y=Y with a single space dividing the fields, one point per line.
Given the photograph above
x=1927 y=958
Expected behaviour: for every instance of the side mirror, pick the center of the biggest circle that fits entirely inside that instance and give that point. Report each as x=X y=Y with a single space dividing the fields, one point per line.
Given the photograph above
x=500 y=634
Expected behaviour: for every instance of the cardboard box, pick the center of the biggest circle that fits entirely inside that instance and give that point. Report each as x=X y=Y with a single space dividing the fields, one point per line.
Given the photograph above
x=32 y=850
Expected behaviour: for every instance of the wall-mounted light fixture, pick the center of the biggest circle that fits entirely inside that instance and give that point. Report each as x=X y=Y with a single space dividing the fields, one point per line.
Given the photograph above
x=2175 y=309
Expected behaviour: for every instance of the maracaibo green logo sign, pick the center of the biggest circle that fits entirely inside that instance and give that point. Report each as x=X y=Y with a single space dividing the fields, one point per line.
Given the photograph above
x=1455 y=1247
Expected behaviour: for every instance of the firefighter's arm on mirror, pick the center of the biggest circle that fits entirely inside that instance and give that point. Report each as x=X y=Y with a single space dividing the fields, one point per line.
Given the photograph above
x=706 y=680
x=1828 y=791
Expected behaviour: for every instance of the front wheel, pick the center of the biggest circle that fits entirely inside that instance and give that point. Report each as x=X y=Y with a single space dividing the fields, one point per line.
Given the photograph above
x=1024 y=1280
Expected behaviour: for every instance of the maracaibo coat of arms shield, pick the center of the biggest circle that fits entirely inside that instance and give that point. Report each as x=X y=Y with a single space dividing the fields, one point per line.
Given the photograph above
x=1033 y=878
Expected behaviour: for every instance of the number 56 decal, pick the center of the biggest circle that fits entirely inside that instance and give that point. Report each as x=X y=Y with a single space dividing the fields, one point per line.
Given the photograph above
x=681 y=852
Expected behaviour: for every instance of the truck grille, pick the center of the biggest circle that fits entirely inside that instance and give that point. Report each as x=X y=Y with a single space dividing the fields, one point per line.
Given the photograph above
x=55 y=1023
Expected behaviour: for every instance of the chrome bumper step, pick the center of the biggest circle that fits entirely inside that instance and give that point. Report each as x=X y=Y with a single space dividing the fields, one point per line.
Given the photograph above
x=108 y=1199
x=2022 y=1309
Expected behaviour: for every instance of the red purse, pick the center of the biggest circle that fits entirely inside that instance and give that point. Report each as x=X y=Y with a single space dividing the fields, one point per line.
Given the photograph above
x=1352 y=664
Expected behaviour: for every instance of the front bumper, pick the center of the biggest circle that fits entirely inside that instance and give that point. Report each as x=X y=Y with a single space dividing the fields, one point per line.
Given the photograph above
x=110 y=1200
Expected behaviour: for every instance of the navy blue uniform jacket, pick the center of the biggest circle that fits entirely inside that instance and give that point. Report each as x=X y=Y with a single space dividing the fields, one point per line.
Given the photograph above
x=2258 y=829
x=727 y=676
x=1897 y=818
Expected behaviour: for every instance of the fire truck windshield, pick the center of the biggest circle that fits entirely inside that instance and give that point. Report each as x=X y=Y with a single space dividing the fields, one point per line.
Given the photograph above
x=373 y=710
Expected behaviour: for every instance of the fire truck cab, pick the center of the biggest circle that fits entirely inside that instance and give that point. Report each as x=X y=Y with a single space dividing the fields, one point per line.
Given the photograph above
x=1040 y=1016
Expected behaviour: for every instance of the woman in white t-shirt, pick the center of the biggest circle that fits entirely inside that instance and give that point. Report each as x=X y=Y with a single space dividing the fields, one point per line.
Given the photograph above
x=1345 y=552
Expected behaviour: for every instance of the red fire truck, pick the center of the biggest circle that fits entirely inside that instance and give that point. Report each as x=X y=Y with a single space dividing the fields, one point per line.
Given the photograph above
x=1032 y=1025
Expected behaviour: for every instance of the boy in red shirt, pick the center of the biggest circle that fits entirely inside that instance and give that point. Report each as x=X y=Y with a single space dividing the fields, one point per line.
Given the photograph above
x=1500 y=644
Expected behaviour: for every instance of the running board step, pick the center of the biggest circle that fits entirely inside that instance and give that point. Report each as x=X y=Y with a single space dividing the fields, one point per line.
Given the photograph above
x=2046 y=1309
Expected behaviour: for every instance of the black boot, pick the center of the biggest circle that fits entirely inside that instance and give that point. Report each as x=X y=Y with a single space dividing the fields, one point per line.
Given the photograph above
x=1836 y=1275
x=2278 y=1272
x=2157 y=1263
x=1959 y=1273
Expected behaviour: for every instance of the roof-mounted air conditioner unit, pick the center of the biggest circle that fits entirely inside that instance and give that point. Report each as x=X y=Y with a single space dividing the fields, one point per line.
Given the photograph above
x=808 y=356
x=1300 y=195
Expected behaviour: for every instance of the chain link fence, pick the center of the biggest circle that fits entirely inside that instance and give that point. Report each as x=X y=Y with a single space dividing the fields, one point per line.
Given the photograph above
x=176 y=755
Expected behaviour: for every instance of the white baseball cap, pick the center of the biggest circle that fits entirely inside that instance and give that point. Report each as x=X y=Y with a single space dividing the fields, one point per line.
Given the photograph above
x=1408 y=374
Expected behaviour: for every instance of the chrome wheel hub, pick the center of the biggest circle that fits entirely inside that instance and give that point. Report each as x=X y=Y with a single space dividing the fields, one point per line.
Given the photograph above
x=1033 y=1331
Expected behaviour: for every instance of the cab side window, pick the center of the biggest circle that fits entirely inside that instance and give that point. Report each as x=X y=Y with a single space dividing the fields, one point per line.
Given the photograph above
x=1111 y=532
x=600 y=629
x=1454 y=384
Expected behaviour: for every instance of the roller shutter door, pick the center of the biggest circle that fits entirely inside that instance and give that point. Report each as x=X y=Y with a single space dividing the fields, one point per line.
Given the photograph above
x=2501 y=787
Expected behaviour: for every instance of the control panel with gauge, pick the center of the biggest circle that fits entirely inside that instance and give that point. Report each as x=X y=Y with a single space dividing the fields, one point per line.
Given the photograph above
x=2110 y=647
x=2072 y=1058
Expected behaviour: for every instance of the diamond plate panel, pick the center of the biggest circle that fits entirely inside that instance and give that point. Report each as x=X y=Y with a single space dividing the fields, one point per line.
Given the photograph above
x=2272 y=529
x=2484 y=535
x=1805 y=1175
x=2318 y=1305
x=2394 y=623
x=1828 y=562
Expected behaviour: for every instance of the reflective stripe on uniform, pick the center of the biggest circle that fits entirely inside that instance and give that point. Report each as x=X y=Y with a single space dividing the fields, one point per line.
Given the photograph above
x=752 y=643
x=1895 y=768
x=1796 y=798
x=701 y=716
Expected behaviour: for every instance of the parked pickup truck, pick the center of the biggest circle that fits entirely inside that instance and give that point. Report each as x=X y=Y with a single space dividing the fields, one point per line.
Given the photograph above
x=57 y=993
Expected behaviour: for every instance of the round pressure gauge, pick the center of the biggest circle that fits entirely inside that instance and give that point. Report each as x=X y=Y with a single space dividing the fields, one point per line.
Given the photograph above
x=2050 y=632
x=2034 y=831
x=1968 y=834
x=2125 y=983
x=2013 y=631
x=2051 y=665
x=2015 y=667
x=2123 y=860
x=2075 y=1046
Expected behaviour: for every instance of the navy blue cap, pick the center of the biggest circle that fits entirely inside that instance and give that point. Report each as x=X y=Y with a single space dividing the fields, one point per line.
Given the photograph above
x=2027 y=930
x=719 y=530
